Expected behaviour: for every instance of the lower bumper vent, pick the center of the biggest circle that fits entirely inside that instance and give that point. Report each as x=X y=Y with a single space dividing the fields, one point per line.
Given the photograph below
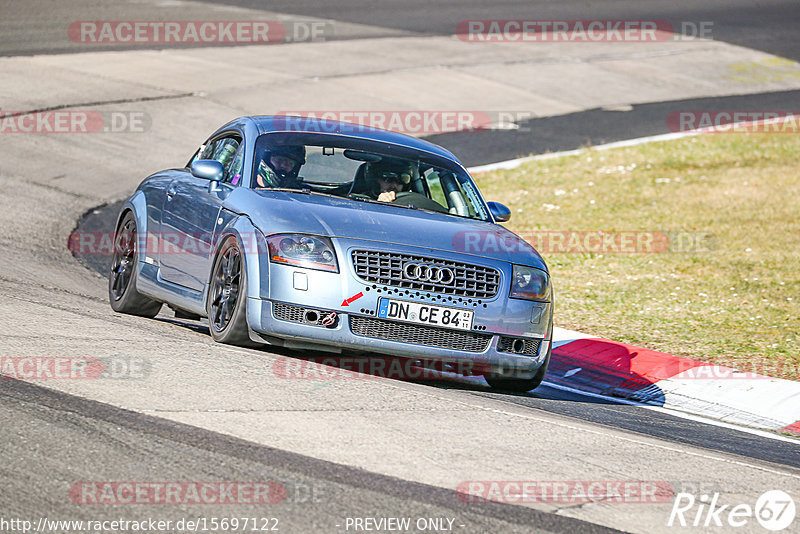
x=419 y=335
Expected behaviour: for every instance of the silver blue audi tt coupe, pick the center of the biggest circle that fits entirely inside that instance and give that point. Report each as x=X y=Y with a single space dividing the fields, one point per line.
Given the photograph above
x=327 y=236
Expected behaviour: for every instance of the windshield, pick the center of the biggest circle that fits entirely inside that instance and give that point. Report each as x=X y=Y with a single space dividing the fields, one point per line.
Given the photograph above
x=366 y=175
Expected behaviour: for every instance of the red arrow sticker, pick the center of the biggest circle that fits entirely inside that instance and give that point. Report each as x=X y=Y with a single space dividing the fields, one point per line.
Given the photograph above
x=346 y=302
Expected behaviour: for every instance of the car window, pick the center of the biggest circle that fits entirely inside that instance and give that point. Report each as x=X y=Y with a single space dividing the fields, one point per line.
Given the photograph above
x=435 y=187
x=456 y=192
x=224 y=151
x=328 y=167
x=366 y=175
x=227 y=151
x=233 y=174
x=470 y=191
x=206 y=151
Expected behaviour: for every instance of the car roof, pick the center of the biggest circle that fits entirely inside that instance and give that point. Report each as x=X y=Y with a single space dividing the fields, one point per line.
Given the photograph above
x=311 y=125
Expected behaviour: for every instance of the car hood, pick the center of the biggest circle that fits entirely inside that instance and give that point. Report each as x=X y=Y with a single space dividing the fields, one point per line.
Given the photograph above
x=279 y=212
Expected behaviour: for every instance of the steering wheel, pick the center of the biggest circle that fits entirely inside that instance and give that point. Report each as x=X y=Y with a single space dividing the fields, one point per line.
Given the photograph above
x=397 y=196
x=410 y=198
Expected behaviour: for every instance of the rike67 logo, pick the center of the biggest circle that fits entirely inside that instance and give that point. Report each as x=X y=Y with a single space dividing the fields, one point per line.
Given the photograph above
x=774 y=510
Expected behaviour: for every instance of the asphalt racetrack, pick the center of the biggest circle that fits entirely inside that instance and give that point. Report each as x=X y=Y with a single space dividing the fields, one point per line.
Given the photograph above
x=197 y=411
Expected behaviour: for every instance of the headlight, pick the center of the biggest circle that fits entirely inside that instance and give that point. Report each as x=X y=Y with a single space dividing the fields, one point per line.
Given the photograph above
x=529 y=283
x=307 y=251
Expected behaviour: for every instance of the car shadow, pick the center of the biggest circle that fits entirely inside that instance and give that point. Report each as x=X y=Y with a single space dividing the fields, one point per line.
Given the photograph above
x=198 y=326
x=360 y=366
x=601 y=367
x=614 y=369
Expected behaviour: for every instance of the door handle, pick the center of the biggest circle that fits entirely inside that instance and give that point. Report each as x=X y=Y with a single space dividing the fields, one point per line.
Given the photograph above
x=171 y=193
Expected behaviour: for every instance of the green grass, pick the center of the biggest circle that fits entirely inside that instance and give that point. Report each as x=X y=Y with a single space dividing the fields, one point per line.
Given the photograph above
x=737 y=304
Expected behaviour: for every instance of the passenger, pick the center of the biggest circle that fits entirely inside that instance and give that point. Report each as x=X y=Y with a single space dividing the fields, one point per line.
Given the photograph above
x=386 y=178
x=390 y=180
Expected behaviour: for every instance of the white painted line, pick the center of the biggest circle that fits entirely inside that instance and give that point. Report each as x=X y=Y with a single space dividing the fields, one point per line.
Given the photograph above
x=514 y=163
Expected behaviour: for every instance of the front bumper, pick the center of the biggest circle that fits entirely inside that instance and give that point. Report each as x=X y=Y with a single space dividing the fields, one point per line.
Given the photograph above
x=341 y=335
x=510 y=337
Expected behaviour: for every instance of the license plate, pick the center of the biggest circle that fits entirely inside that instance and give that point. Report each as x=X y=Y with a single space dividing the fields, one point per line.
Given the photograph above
x=417 y=312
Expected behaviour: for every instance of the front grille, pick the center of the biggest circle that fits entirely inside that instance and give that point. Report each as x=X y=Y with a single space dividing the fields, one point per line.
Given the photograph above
x=294 y=314
x=506 y=344
x=386 y=268
x=419 y=335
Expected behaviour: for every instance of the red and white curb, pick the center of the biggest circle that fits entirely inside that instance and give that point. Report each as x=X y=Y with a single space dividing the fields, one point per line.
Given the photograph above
x=617 y=370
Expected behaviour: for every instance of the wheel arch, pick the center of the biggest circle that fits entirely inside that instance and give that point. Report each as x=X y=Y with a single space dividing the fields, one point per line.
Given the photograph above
x=136 y=205
x=254 y=256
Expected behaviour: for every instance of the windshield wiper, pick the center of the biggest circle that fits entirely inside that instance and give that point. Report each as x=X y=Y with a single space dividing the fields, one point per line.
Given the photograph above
x=304 y=191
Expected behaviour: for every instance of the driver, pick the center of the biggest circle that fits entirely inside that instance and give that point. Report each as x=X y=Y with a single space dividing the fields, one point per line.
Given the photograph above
x=280 y=166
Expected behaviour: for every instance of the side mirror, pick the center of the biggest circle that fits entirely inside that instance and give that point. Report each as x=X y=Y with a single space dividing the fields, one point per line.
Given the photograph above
x=207 y=169
x=500 y=212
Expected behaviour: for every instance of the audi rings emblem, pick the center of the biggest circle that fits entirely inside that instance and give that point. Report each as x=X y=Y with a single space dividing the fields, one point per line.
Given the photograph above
x=422 y=272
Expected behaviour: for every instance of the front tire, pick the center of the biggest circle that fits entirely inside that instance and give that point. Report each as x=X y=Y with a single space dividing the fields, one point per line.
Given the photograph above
x=227 y=297
x=122 y=294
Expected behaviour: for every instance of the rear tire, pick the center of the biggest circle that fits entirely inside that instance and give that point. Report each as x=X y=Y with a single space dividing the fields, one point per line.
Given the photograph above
x=122 y=294
x=519 y=385
x=226 y=305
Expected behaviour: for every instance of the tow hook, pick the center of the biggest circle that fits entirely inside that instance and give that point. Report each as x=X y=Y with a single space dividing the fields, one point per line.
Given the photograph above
x=328 y=320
